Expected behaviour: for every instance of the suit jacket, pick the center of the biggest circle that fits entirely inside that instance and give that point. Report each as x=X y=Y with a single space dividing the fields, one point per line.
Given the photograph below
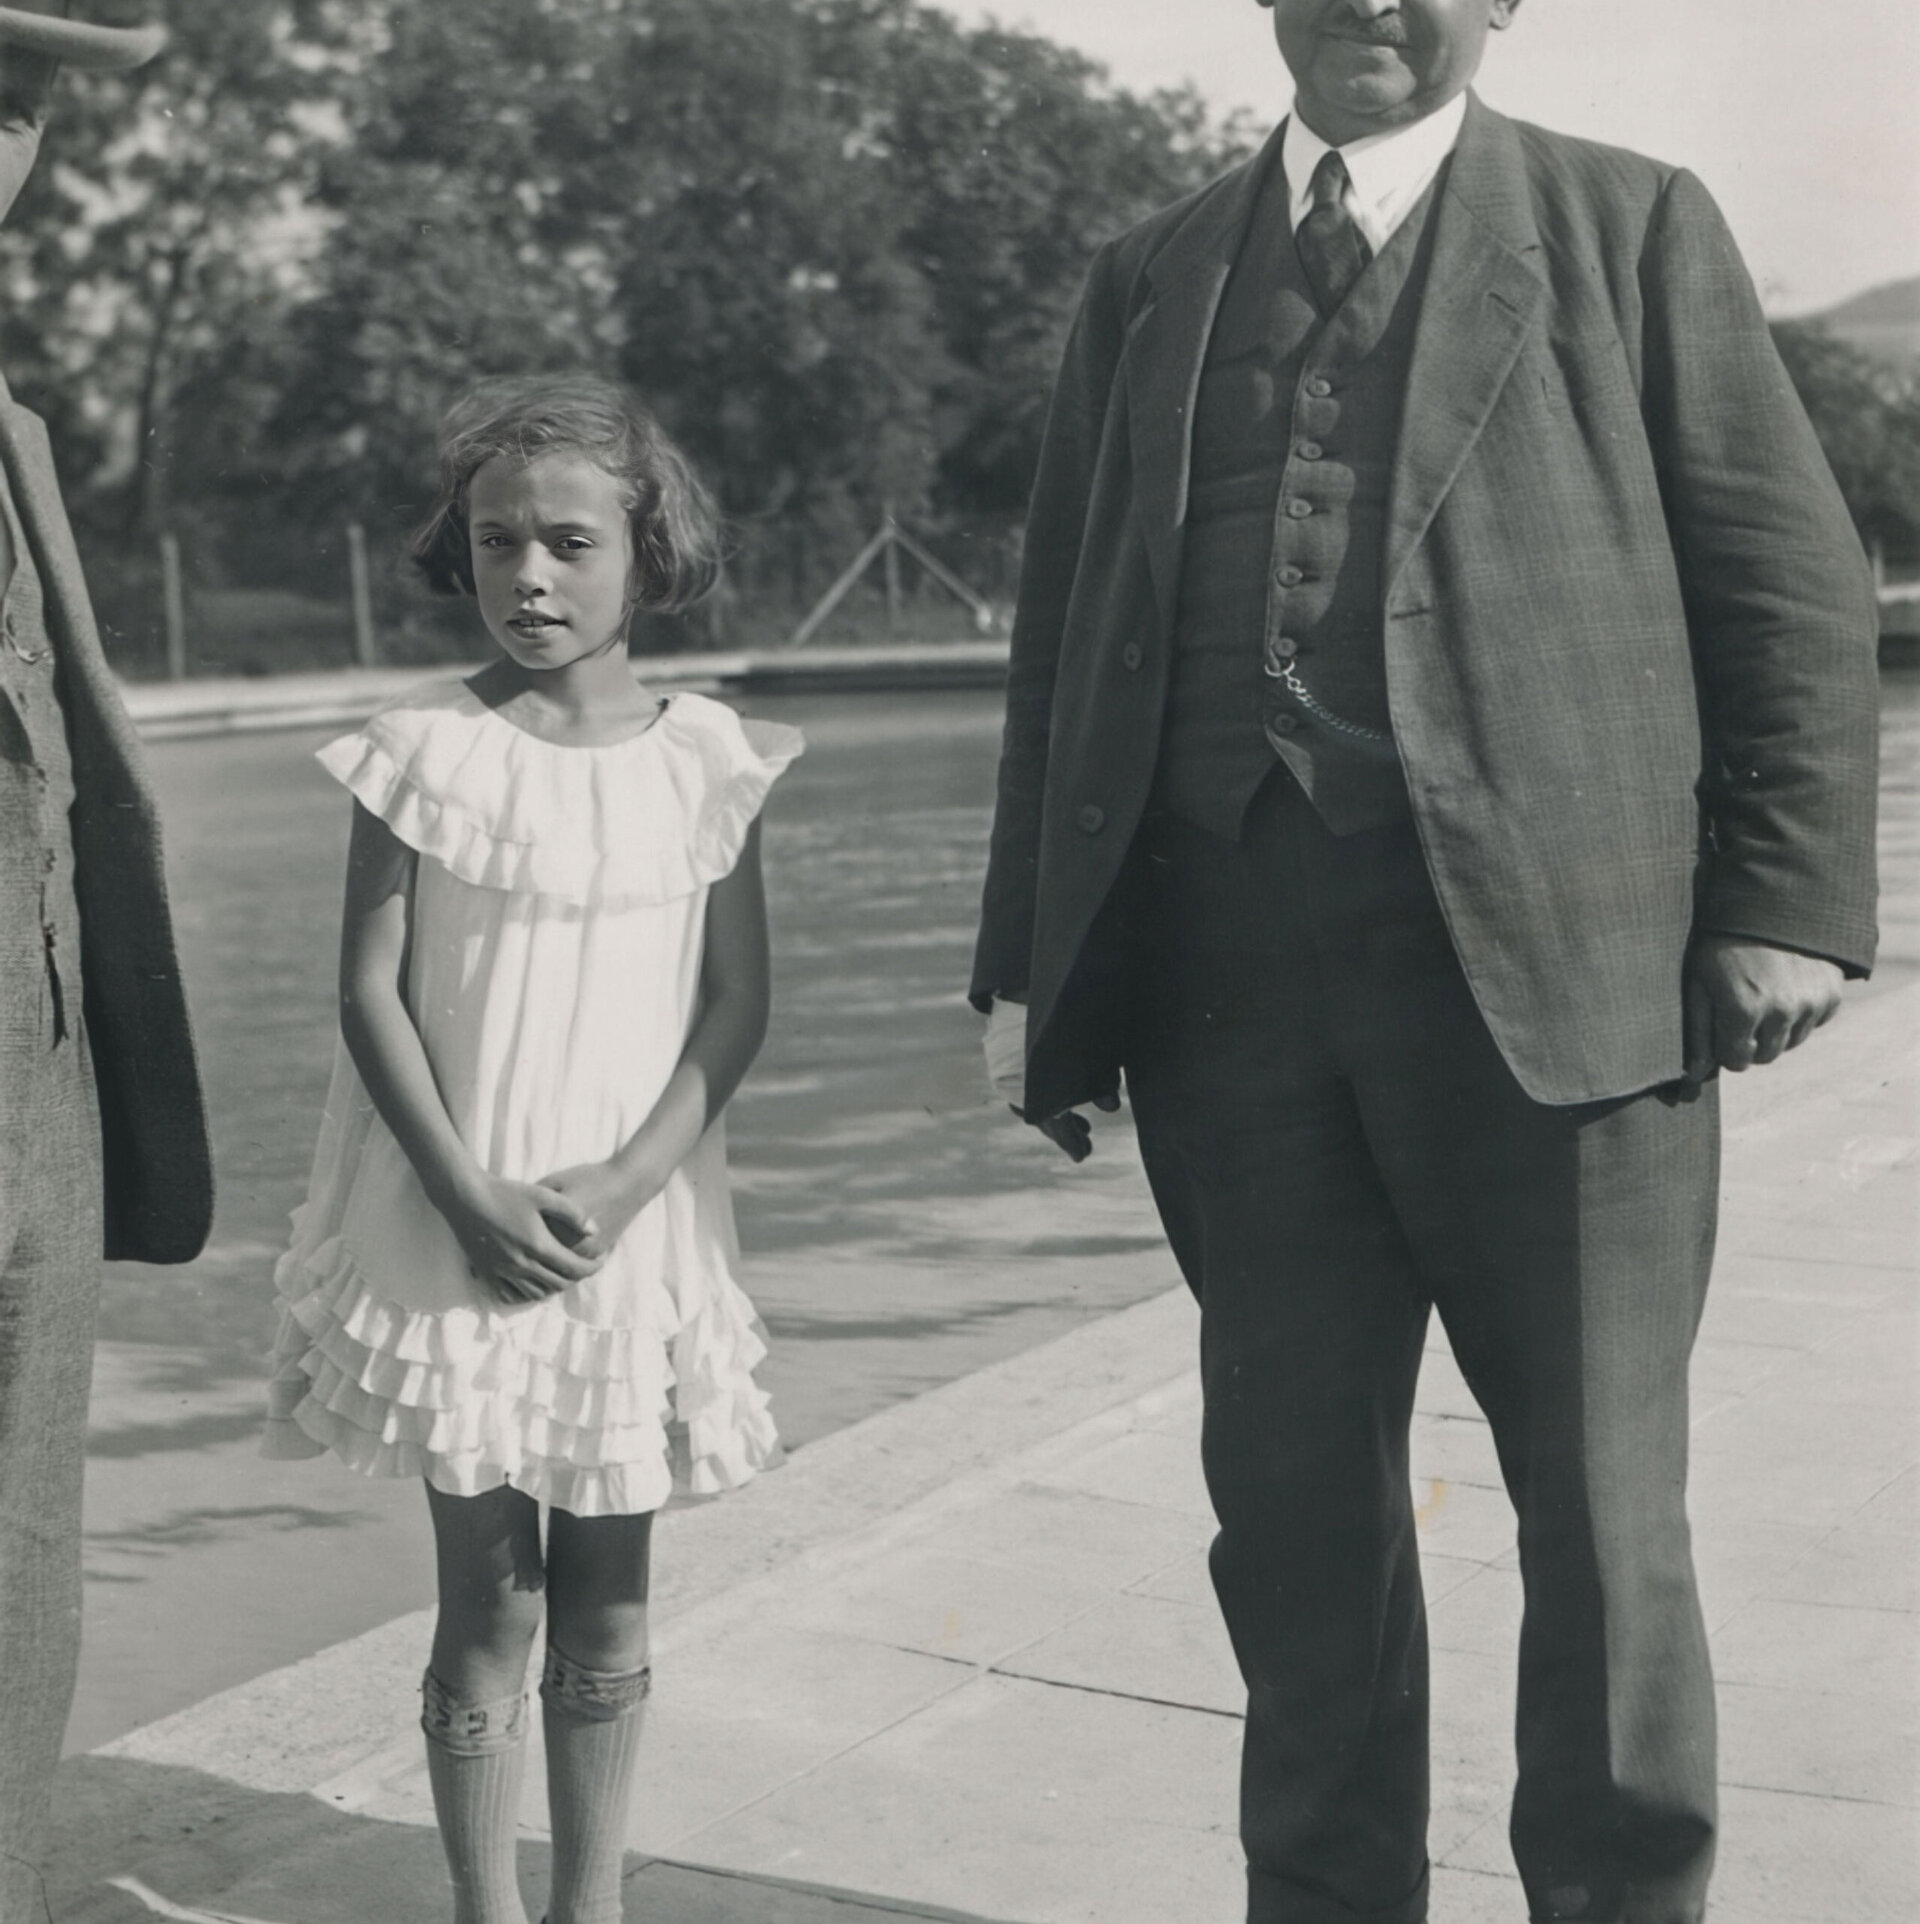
x=158 y=1176
x=1630 y=633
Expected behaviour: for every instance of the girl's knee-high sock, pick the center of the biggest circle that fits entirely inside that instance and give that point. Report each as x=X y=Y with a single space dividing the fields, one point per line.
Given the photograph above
x=592 y=1721
x=476 y=1755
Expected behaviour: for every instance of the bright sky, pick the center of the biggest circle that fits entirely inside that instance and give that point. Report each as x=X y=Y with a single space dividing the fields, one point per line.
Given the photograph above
x=1802 y=116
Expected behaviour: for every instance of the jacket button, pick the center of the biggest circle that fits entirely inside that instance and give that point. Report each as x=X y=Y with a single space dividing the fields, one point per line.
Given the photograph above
x=1092 y=819
x=1133 y=654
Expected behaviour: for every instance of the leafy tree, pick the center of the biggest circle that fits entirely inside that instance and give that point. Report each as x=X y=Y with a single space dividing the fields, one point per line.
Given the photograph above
x=165 y=227
x=836 y=242
x=1019 y=163
x=461 y=240
x=1867 y=415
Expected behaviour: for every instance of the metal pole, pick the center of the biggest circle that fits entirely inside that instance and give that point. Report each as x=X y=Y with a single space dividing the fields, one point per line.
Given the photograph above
x=173 y=603
x=366 y=645
x=891 y=555
x=982 y=608
x=842 y=587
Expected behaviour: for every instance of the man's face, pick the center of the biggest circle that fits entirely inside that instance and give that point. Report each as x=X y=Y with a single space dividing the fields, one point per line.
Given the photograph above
x=1362 y=66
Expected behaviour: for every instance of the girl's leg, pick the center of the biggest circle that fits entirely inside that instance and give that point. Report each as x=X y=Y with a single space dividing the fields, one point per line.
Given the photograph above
x=592 y=1692
x=474 y=1694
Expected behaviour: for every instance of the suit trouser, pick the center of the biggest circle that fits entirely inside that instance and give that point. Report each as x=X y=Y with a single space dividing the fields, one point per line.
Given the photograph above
x=49 y=1290
x=1336 y=1145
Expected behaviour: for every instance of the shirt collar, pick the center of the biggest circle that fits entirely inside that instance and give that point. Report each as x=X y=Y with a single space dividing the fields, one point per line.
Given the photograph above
x=1389 y=171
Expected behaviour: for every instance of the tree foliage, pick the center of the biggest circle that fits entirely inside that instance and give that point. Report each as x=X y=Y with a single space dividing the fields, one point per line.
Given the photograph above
x=167 y=225
x=835 y=241
x=1866 y=412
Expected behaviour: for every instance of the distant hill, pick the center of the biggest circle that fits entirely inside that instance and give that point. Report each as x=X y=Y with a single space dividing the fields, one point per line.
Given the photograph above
x=1884 y=322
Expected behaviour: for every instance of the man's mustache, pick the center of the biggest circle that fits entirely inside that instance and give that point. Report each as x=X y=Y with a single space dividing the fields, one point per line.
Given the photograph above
x=1389 y=30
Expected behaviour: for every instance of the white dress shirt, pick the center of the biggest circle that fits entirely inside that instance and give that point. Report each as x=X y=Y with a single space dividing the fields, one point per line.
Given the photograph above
x=1389 y=171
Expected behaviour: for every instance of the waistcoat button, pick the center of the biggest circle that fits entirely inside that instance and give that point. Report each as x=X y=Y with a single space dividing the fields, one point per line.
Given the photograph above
x=1319 y=387
x=1310 y=450
x=1092 y=819
x=1290 y=576
x=1132 y=655
x=1280 y=650
x=1299 y=509
x=1285 y=724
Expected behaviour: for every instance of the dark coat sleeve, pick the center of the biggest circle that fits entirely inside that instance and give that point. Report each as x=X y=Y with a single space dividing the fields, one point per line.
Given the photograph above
x=1780 y=606
x=1077 y=421
x=156 y=1162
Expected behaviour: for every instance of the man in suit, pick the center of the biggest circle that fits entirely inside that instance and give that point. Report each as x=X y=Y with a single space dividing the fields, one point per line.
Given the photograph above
x=1440 y=732
x=103 y=1143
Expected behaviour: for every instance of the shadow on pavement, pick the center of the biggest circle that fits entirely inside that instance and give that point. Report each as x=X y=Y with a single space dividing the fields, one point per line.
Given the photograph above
x=202 y=1846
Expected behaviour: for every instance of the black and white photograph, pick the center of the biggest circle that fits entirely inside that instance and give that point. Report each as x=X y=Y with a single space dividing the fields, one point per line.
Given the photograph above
x=961 y=962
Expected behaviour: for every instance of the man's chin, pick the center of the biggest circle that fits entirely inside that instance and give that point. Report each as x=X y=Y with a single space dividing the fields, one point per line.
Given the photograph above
x=1371 y=105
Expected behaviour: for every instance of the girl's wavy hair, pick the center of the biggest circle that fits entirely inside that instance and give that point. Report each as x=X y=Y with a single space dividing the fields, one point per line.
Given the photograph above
x=675 y=525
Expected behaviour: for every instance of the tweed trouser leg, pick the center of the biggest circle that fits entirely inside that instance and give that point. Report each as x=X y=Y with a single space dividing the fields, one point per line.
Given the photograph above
x=50 y=1233
x=1335 y=1145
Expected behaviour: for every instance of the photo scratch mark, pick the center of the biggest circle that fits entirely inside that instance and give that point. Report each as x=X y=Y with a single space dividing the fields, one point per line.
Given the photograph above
x=181 y=1913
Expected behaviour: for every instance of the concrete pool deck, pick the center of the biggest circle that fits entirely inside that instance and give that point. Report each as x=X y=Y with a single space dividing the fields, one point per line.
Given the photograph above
x=961 y=1660
x=237 y=704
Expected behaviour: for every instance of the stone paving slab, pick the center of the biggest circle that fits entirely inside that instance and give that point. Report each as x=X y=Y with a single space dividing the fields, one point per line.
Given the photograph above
x=1035 y=1802
x=962 y=1661
x=267 y=1859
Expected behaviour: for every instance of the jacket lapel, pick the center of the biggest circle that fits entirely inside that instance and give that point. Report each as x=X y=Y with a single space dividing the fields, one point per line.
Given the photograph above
x=1484 y=292
x=103 y=738
x=1166 y=348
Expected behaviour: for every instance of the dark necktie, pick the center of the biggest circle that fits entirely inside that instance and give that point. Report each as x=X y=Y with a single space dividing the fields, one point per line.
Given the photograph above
x=1332 y=248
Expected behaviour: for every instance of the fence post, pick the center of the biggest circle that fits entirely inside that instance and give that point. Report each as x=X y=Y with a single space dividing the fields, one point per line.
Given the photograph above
x=890 y=560
x=366 y=645
x=173 y=604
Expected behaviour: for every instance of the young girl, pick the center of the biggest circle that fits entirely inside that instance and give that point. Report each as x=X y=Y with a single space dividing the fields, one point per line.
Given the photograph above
x=512 y=1273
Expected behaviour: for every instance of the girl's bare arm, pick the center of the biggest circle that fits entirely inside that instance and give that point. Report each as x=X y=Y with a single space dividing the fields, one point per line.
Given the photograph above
x=500 y=1224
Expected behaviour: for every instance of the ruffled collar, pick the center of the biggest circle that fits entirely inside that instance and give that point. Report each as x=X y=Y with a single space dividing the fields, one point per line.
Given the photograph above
x=648 y=818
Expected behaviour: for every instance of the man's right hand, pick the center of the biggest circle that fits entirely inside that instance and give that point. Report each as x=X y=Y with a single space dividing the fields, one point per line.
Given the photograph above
x=1072 y=1131
x=1006 y=1045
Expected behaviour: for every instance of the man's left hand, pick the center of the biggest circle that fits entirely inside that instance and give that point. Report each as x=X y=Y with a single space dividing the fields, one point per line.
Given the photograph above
x=1750 y=1002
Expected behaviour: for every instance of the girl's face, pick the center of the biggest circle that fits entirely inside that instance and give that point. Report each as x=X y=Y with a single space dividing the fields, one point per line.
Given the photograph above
x=552 y=557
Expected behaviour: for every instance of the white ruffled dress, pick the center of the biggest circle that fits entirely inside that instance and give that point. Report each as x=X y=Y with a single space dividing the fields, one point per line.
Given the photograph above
x=559 y=908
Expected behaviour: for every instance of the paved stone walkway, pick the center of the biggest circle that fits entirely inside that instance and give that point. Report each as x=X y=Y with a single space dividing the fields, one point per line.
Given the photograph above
x=961 y=1661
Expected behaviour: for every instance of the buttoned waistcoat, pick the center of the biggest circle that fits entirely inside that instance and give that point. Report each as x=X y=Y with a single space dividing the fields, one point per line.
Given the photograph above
x=1294 y=426
x=1629 y=630
x=157 y=1167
